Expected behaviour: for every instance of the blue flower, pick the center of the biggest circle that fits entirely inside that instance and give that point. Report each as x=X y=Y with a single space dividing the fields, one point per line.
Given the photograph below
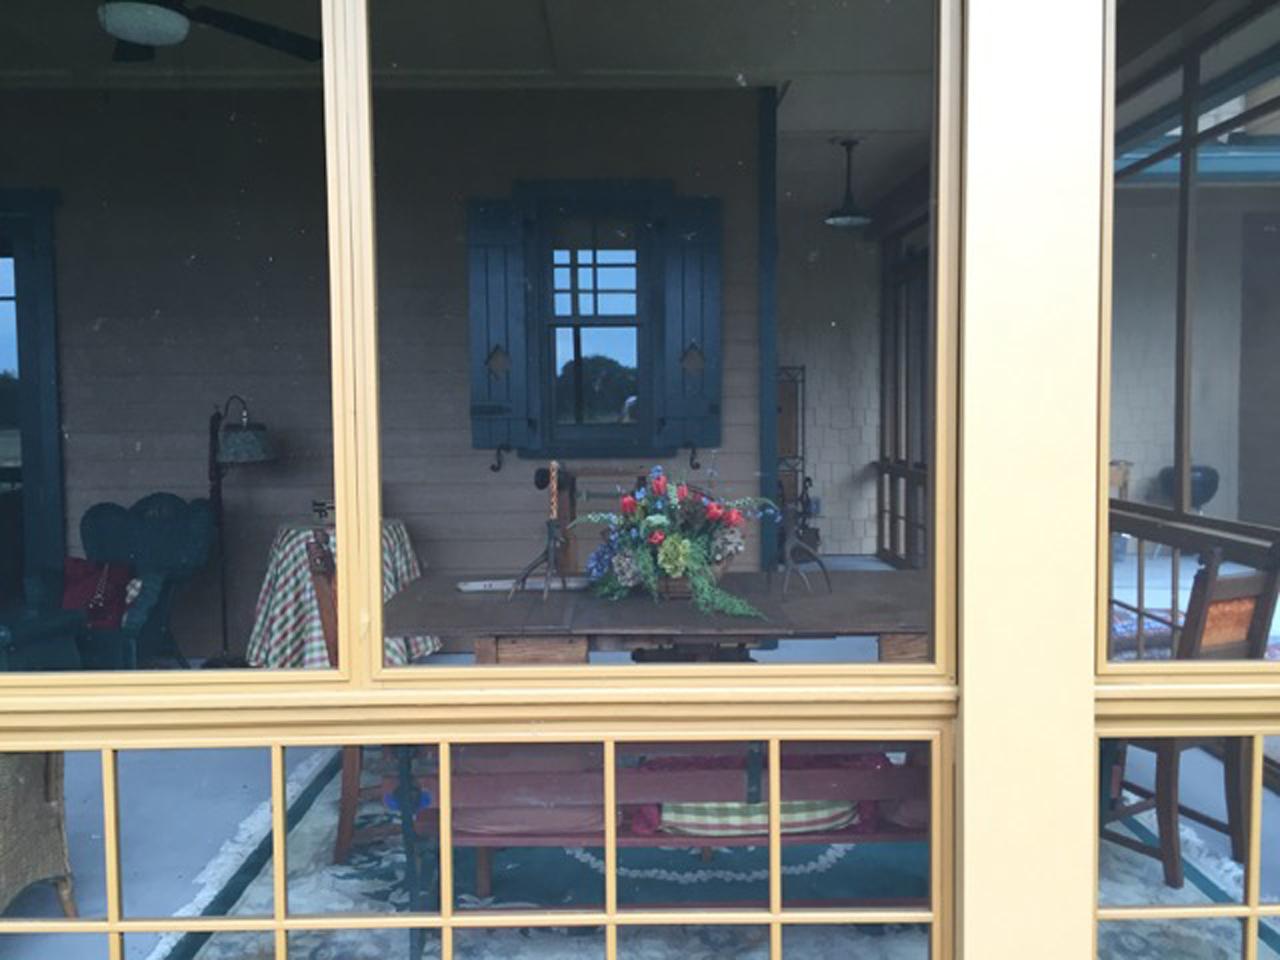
x=655 y=472
x=640 y=493
x=600 y=561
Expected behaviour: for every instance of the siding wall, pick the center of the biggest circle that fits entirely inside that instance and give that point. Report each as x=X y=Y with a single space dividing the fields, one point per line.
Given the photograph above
x=191 y=264
x=1142 y=407
x=829 y=322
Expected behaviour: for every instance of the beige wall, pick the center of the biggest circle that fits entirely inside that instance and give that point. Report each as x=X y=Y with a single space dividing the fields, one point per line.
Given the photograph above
x=829 y=322
x=191 y=263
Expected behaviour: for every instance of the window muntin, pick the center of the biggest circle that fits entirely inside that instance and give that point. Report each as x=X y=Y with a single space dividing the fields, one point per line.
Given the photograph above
x=527 y=821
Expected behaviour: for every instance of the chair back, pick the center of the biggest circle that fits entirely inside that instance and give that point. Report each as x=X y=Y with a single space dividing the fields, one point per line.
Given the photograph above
x=1229 y=615
x=161 y=533
x=166 y=540
x=324 y=578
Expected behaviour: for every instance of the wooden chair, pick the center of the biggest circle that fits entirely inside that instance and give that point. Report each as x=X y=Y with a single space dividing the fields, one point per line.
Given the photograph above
x=324 y=579
x=1228 y=618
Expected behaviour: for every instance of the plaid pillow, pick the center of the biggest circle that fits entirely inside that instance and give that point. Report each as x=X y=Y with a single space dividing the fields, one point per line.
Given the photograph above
x=752 y=819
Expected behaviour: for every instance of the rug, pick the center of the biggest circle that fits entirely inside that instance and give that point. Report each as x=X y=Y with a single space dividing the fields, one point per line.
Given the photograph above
x=371 y=884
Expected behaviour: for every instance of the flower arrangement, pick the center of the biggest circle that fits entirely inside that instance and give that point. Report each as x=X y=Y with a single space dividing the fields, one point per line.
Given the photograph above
x=668 y=533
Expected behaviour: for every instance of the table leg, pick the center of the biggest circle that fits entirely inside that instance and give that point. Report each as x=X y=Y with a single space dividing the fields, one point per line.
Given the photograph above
x=904 y=648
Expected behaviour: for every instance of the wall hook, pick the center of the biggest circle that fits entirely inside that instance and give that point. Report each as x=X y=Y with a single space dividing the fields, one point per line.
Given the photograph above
x=503 y=448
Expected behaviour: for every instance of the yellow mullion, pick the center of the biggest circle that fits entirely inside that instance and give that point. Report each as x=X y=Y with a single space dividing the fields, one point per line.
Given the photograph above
x=775 y=848
x=857 y=917
x=444 y=762
x=1253 y=873
x=1215 y=911
x=610 y=849
x=279 y=842
x=937 y=858
x=111 y=833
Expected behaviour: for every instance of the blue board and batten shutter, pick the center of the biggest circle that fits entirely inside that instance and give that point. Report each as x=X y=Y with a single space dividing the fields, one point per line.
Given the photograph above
x=502 y=364
x=690 y=373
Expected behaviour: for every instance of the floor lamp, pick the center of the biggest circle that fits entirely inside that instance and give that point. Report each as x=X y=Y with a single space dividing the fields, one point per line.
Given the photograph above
x=231 y=443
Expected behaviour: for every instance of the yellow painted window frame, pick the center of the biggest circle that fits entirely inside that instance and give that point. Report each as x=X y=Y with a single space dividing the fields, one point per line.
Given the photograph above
x=981 y=596
x=356 y=435
x=1137 y=676
x=775 y=916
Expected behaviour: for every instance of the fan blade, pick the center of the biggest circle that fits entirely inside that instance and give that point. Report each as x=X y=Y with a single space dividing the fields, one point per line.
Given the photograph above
x=127 y=52
x=286 y=41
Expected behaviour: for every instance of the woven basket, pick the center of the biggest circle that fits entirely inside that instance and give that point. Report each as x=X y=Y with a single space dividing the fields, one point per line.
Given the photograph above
x=678 y=588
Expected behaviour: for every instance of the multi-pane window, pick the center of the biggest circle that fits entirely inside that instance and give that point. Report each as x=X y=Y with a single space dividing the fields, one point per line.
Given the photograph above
x=596 y=324
x=1193 y=351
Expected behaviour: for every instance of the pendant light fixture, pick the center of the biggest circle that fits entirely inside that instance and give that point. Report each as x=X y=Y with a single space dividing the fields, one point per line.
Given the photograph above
x=848 y=215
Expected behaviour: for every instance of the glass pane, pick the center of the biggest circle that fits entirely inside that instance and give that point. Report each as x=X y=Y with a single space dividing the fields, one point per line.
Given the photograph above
x=398 y=944
x=1175 y=821
x=834 y=942
x=1235 y=343
x=571 y=272
x=43 y=946
x=1153 y=111
x=528 y=826
x=1270 y=874
x=347 y=839
x=206 y=946
x=530 y=943
x=1143 y=338
x=1240 y=70
x=1171 y=939
x=598 y=375
x=1269 y=939
x=190 y=276
x=693 y=825
x=51 y=836
x=700 y=942
x=855 y=824
x=11 y=496
x=195 y=832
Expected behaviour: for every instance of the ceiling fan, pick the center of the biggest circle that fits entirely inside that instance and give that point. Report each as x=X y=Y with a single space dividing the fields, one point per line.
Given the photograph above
x=140 y=27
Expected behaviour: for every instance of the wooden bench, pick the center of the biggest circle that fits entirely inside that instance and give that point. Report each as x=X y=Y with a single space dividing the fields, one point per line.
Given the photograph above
x=501 y=793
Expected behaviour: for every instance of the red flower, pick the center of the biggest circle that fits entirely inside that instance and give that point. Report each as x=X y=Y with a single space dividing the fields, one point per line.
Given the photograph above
x=733 y=518
x=682 y=491
x=714 y=511
x=628 y=504
x=659 y=485
x=657 y=537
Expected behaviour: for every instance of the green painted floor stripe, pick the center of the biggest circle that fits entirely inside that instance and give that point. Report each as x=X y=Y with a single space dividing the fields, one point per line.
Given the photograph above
x=222 y=902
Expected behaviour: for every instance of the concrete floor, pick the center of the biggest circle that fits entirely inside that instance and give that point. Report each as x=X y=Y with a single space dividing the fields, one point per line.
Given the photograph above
x=177 y=808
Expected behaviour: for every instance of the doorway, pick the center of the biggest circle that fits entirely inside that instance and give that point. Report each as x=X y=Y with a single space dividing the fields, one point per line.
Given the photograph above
x=31 y=494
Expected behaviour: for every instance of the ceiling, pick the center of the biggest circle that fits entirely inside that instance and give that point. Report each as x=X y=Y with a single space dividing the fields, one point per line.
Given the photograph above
x=847 y=67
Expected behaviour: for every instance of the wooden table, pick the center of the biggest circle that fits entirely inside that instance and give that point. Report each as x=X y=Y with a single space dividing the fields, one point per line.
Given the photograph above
x=893 y=605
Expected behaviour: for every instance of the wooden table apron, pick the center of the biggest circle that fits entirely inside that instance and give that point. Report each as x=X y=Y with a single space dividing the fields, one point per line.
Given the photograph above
x=891 y=605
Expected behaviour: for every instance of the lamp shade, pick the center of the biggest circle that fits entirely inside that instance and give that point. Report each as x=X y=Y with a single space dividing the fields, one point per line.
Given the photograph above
x=849 y=215
x=244 y=443
x=149 y=24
